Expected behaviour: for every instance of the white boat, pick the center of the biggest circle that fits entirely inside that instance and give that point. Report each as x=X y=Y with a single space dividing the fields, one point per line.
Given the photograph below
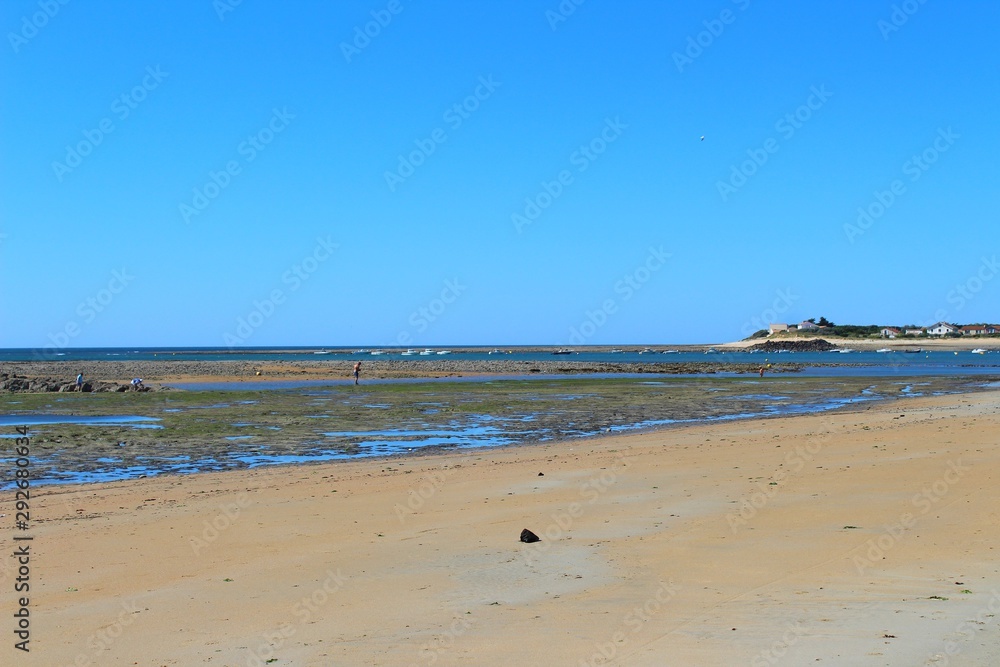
x=495 y=352
x=427 y=352
x=670 y=351
x=979 y=350
x=408 y=353
x=444 y=351
x=616 y=351
x=846 y=350
x=883 y=349
x=376 y=352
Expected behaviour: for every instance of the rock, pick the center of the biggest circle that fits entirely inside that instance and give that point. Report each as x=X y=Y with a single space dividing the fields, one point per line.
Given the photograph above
x=811 y=345
x=528 y=537
x=541 y=474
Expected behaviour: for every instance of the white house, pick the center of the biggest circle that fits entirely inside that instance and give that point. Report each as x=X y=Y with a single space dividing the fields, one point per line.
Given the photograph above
x=890 y=332
x=941 y=328
x=808 y=326
x=775 y=328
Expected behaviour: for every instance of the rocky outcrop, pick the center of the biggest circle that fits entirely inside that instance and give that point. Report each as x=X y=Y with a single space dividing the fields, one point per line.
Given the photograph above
x=35 y=385
x=811 y=345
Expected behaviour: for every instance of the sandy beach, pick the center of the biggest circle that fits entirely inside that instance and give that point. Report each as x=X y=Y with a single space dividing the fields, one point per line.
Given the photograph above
x=850 y=538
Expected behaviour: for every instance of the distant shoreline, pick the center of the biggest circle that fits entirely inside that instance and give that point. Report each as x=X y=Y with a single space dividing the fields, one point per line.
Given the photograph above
x=926 y=343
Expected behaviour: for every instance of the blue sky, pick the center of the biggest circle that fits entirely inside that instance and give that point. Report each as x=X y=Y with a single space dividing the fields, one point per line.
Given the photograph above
x=199 y=173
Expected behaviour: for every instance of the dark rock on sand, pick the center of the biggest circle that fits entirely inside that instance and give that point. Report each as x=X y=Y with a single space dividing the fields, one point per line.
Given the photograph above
x=528 y=537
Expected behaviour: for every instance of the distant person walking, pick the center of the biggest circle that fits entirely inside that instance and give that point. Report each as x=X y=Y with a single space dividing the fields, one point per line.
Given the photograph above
x=79 y=381
x=357 y=371
x=762 y=371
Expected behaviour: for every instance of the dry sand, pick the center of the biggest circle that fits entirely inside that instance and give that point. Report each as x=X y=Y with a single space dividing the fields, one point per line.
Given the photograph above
x=644 y=560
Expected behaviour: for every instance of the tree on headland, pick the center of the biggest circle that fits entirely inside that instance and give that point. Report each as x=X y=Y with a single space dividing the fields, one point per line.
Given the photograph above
x=823 y=322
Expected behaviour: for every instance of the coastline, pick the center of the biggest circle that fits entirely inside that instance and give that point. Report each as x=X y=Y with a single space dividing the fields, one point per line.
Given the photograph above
x=940 y=344
x=655 y=546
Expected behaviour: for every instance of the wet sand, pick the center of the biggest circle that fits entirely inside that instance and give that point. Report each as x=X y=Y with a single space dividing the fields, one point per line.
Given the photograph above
x=850 y=538
x=158 y=373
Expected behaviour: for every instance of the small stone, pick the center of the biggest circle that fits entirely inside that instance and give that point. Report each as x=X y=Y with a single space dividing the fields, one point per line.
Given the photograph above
x=528 y=537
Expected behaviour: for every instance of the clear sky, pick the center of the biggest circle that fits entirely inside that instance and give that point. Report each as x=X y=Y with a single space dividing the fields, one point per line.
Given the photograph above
x=492 y=172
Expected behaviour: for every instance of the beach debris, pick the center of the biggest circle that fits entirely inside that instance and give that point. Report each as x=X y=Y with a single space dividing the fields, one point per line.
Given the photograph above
x=541 y=474
x=528 y=537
